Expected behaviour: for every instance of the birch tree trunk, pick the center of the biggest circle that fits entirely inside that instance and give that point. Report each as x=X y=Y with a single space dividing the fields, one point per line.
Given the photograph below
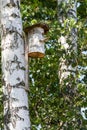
x=16 y=112
x=67 y=18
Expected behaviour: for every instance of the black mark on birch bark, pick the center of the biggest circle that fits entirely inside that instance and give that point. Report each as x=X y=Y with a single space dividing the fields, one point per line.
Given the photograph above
x=13 y=65
x=12 y=2
x=18 y=85
x=18 y=4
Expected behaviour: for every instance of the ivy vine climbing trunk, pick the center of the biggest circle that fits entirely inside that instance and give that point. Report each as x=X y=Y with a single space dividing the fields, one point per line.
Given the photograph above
x=67 y=18
x=16 y=111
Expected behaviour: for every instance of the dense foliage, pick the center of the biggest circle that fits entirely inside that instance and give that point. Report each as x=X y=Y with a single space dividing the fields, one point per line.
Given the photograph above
x=53 y=107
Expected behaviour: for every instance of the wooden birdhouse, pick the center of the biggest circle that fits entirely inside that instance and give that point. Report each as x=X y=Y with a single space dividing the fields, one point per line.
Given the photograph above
x=36 y=40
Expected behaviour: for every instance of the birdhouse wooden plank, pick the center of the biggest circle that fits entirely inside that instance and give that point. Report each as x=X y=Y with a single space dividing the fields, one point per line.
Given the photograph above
x=36 y=40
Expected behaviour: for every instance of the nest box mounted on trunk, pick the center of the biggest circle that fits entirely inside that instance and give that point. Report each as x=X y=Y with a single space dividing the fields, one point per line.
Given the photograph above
x=36 y=39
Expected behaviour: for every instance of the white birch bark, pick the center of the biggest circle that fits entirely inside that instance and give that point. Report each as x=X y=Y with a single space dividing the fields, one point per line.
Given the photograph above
x=36 y=42
x=67 y=12
x=68 y=59
x=16 y=111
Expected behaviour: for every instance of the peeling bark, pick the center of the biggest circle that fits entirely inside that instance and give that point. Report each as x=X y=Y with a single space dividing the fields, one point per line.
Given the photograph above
x=16 y=111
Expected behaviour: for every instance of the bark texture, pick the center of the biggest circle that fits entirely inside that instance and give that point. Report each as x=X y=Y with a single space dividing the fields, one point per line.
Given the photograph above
x=67 y=17
x=68 y=61
x=16 y=112
x=36 y=42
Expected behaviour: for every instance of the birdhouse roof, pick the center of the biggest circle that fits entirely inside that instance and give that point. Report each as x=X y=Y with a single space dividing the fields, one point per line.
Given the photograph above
x=42 y=25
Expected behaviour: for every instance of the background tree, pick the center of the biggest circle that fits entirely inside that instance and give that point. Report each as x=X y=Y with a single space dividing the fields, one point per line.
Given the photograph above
x=67 y=17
